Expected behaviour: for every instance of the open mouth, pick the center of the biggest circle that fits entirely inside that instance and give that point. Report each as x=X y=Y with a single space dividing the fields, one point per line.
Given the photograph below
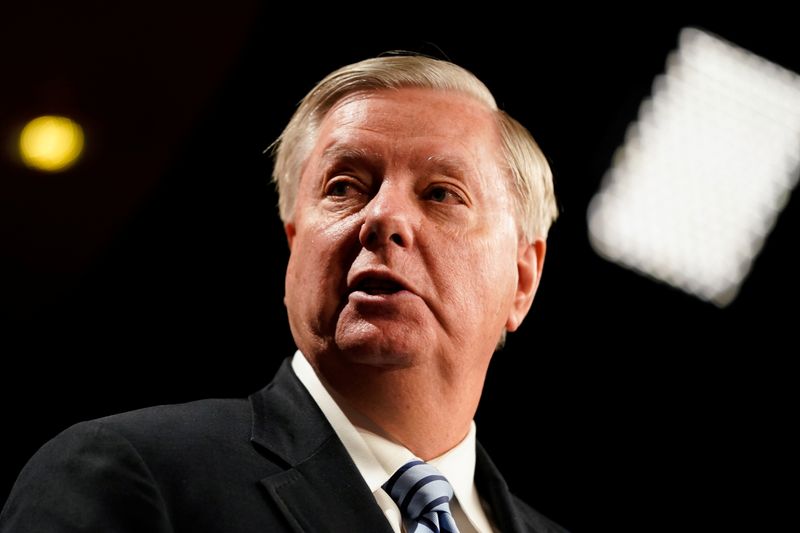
x=375 y=286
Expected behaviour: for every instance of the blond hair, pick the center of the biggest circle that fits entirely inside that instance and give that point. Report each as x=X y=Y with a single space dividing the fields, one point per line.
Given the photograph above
x=531 y=178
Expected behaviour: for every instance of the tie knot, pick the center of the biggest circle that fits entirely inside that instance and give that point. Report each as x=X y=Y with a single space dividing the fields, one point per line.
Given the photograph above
x=423 y=495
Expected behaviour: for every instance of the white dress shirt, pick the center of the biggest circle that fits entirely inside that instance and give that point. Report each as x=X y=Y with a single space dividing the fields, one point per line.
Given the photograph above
x=377 y=458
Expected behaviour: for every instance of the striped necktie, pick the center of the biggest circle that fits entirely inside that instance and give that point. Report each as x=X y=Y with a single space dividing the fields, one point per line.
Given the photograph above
x=423 y=495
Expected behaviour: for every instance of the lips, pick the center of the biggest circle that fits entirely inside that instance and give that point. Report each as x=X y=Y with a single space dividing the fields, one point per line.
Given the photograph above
x=376 y=283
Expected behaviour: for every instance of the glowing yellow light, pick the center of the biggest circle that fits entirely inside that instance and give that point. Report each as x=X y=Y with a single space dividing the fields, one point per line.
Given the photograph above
x=51 y=143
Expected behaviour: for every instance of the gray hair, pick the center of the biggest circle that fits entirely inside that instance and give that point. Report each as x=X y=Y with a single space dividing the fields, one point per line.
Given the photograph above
x=530 y=174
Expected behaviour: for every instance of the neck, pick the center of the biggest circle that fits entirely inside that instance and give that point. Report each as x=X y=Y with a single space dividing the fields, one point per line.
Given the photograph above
x=412 y=406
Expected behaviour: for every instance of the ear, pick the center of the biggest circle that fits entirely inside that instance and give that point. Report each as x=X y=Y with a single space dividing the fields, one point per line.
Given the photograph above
x=290 y=232
x=530 y=259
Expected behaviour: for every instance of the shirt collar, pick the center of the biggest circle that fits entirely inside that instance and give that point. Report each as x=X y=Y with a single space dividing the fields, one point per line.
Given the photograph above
x=458 y=466
x=377 y=457
x=371 y=469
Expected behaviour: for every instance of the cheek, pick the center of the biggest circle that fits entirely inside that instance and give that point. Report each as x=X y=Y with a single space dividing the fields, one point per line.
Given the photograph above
x=478 y=276
x=497 y=257
x=317 y=267
x=494 y=274
x=307 y=266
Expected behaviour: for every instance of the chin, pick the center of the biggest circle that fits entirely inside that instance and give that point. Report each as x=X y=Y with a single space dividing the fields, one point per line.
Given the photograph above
x=371 y=345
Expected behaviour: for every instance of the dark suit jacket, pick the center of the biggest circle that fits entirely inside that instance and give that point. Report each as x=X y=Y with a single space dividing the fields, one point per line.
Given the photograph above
x=268 y=465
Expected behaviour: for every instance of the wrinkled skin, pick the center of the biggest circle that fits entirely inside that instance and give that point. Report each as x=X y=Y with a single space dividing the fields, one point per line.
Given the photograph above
x=406 y=260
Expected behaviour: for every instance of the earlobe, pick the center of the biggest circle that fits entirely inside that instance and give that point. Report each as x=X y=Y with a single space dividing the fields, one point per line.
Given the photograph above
x=290 y=232
x=530 y=260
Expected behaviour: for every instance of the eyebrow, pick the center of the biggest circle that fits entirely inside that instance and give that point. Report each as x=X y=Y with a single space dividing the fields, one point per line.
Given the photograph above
x=448 y=165
x=339 y=152
x=451 y=166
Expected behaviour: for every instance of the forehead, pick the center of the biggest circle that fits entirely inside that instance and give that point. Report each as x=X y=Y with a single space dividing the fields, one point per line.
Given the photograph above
x=444 y=123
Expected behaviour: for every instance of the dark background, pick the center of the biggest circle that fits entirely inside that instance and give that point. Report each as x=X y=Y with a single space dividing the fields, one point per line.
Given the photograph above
x=152 y=271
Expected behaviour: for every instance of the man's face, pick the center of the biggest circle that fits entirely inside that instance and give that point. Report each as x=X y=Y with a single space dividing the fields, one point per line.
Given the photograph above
x=404 y=245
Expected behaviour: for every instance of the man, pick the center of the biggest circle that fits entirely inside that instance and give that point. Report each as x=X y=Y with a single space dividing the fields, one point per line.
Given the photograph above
x=416 y=213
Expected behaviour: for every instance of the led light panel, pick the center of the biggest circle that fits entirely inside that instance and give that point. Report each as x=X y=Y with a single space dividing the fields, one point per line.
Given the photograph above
x=704 y=171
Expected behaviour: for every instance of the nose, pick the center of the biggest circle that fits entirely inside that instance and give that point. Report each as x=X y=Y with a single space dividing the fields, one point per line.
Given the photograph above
x=389 y=219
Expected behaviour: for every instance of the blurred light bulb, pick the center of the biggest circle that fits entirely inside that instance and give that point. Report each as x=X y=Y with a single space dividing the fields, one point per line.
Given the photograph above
x=51 y=143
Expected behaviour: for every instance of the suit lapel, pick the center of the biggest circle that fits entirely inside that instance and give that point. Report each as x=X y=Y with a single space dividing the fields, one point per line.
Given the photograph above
x=325 y=494
x=492 y=488
x=508 y=513
x=320 y=488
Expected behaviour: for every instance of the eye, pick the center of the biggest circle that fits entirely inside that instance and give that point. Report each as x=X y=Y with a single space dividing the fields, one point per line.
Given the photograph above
x=339 y=188
x=342 y=187
x=443 y=195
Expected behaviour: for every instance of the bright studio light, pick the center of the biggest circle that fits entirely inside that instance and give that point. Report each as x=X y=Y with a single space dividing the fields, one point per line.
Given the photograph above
x=704 y=171
x=51 y=143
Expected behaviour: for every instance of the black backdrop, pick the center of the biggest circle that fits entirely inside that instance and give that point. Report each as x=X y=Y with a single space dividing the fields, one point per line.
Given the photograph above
x=152 y=271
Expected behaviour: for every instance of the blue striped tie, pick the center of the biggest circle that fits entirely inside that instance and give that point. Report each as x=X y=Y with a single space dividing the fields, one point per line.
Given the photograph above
x=423 y=495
